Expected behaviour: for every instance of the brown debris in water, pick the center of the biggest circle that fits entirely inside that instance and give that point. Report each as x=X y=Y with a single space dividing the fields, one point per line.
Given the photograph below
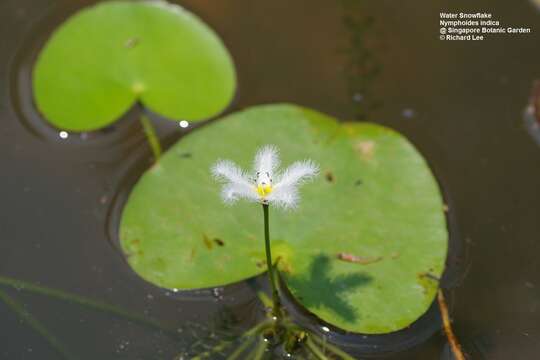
x=447 y=326
x=358 y=259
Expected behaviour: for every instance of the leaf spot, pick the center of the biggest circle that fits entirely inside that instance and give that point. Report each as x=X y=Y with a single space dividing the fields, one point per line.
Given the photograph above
x=366 y=149
x=186 y=155
x=428 y=275
x=131 y=42
x=358 y=259
x=329 y=176
x=207 y=242
x=192 y=254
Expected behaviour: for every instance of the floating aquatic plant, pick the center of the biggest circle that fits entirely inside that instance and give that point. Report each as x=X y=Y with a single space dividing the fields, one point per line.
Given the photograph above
x=266 y=186
x=110 y=56
x=360 y=255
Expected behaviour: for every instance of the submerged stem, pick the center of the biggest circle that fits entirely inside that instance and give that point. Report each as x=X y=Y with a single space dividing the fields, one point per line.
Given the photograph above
x=275 y=296
x=330 y=348
x=240 y=349
x=264 y=299
x=315 y=350
x=104 y=307
x=151 y=136
x=246 y=339
x=35 y=324
x=259 y=350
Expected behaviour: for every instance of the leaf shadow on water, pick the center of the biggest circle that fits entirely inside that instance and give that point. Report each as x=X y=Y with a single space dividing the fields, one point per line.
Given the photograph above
x=322 y=290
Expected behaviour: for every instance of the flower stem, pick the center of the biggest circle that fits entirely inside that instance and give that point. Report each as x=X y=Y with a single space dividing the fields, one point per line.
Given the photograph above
x=330 y=348
x=151 y=136
x=263 y=297
x=275 y=296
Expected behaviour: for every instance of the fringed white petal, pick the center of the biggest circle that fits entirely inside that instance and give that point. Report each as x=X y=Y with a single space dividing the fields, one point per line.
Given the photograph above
x=267 y=160
x=281 y=193
x=285 y=197
x=232 y=192
x=237 y=184
x=297 y=173
x=229 y=171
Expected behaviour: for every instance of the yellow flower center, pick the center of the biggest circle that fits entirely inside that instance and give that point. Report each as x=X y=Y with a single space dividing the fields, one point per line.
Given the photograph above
x=264 y=190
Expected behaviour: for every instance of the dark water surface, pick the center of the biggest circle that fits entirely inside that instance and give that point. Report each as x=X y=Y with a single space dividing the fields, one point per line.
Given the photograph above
x=461 y=103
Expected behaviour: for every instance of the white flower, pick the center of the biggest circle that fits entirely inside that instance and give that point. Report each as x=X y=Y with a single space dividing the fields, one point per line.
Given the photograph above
x=266 y=184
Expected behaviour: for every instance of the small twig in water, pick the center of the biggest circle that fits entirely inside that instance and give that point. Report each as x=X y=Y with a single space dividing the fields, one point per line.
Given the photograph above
x=452 y=340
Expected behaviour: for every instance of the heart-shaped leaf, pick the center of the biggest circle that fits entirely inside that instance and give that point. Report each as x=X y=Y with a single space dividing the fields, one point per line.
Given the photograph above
x=106 y=57
x=362 y=250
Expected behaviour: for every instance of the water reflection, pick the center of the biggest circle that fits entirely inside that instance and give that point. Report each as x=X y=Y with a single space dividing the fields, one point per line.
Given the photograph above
x=362 y=67
x=531 y=115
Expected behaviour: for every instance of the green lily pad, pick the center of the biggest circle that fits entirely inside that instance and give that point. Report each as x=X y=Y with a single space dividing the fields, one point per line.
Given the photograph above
x=106 y=57
x=376 y=202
